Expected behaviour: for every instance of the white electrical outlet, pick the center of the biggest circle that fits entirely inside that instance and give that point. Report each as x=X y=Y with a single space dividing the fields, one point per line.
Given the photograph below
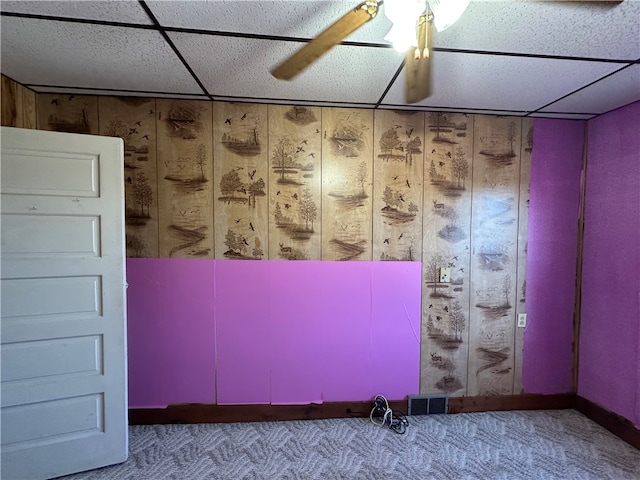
x=445 y=275
x=522 y=320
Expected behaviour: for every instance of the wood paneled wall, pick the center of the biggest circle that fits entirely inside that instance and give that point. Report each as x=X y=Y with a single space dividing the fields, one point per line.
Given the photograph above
x=347 y=161
x=241 y=173
x=257 y=182
x=18 y=105
x=448 y=190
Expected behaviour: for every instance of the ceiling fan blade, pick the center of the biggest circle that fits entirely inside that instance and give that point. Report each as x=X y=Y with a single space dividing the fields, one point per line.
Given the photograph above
x=326 y=40
x=417 y=63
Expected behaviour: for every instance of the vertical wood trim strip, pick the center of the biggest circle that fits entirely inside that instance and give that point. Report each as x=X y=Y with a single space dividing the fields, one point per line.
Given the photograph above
x=578 y=295
x=523 y=227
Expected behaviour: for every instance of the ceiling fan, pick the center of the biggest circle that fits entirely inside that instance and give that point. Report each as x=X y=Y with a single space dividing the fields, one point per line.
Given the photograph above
x=412 y=32
x=415 y=18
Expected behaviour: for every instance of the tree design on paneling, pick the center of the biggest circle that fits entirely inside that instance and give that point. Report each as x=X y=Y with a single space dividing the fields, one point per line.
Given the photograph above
x=189 y=177
x=240 y=249
x=67 y=113
x=242 y=135
x=347 y=242
x=183 y=120
x=185 y=178
x=398 y=172
x=496 y=180
x=240 y=180
x=446 y=128
x=294 y=181
x=234 y=189
x=346 y=184
x=447 y=213
x=499 y=145
x=347 y=137
x=134 y=121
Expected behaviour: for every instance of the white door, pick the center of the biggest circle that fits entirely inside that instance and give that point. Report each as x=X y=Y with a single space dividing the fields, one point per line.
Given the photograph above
x=63 y=342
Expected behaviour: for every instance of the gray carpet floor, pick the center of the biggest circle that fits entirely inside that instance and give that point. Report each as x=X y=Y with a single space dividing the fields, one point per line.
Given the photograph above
x=553 y=444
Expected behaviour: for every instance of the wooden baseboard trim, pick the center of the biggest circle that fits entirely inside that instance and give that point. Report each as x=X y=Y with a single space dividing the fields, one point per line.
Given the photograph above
x=202 y=413
x=511 y=402
x=613 y=422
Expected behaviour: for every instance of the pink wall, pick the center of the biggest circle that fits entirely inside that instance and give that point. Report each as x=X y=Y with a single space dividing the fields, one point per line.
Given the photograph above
x=551 y=255
x=171 y=332
x=230 y=332
x=609 y=371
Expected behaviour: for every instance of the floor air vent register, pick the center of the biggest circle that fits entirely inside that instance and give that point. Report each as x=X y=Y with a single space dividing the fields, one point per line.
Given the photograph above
x=427 y=404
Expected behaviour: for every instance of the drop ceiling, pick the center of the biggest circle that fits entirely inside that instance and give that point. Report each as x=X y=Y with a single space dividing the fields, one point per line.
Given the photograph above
x=529 y=58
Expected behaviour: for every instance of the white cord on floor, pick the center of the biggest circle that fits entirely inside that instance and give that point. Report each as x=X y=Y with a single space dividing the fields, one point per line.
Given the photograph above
x=381 y=410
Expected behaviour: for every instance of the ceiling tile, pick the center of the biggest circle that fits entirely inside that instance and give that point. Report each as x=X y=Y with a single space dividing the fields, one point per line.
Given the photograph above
x=615 y=91
x=96 y=56
x=501 y=83
x=584 y=29
x=112 y=11
x=300 y=18
x=239 y=67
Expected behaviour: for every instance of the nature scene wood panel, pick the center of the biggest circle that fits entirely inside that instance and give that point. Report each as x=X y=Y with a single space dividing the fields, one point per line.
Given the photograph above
x=397 y=186
x=185 y=194
x=347 y=151
x=295 y=181
x=134 y=120
x=240 y=175
x=496 y=180
x=68 y=113
x=526 y=152
x=446 y=253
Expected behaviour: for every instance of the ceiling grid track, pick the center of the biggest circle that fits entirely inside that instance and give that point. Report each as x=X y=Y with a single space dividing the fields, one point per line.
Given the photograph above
x=173 y=47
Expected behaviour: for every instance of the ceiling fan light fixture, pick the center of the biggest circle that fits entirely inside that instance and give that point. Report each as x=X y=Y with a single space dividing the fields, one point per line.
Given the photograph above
x=403 y=14
x=447 y=12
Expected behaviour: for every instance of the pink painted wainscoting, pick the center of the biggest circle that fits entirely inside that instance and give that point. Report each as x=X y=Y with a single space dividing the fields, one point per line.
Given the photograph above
x=234 y=332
